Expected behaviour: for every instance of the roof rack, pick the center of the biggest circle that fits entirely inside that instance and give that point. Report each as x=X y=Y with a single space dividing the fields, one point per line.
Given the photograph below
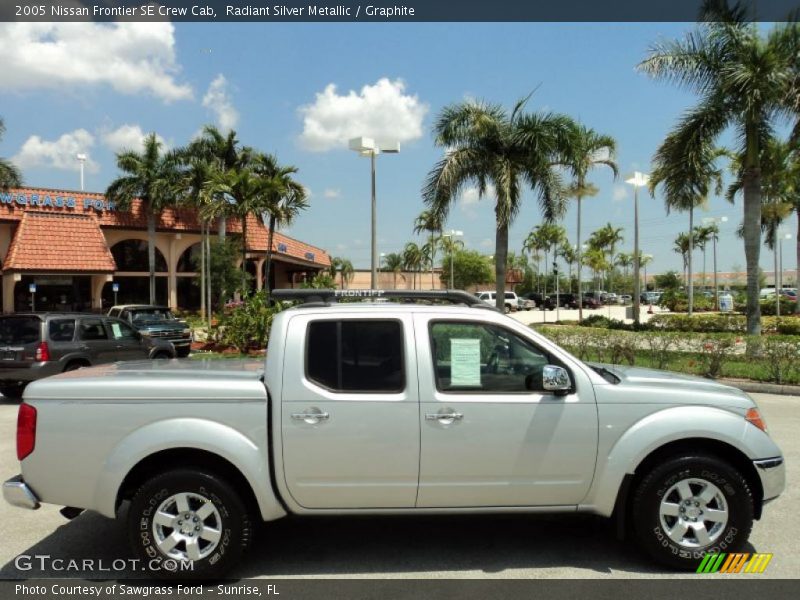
x=327 y=296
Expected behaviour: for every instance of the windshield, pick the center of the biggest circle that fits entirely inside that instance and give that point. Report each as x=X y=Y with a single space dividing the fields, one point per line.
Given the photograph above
x=20 y=330
x=152 y=314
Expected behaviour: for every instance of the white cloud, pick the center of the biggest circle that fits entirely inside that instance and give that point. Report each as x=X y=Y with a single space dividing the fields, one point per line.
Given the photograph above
x=57 y=154
x=619 y=193
x=127 y=137
x=130 y=57
x=469 y=199
x=332 y=193
x=382 y=111
x=487 y=243
x=218 y=100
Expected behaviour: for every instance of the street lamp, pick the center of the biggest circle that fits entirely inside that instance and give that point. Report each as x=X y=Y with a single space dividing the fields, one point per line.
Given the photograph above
x=81 y=159
x=451 y=234
x=779 y=282
x=637 y=180
x=369 y=147
x=715 y=235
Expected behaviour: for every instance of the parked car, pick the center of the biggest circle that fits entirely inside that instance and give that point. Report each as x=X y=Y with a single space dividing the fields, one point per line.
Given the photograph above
x=626 y=299
x=650 y=297
x=37 y=345
x=511 y=302
x=565 y=300
x=392 y=408
x=542 y=302
x=590 y=301
x=156 y=322
x=525 y=303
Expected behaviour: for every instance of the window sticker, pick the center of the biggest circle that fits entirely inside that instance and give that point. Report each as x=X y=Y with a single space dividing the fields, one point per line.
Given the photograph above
x=116 y=330
x=465 y=363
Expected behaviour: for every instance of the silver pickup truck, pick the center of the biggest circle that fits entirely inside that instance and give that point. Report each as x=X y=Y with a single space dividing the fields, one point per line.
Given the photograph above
x=394 y=408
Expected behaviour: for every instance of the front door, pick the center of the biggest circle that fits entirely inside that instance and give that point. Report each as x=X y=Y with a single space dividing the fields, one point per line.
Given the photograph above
x=490 y=435
x=127 y=341
x=93 y=339
x=350 y=412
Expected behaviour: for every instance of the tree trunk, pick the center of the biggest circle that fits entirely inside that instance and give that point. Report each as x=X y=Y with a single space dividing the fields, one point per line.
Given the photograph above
x=797 y=264
x=151 y=253
x=244 y=255
x=752 y=245
x=500 y=256
x=433 y=256
x=689 y=262
x=270 y=236
x=221 y=225
x=775 y=277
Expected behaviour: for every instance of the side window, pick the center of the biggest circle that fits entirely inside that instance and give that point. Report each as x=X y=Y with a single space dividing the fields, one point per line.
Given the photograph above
x=61 y=330
x=121 y=330
x=92 y=329
x=124 y=315
x=114 y=312
x=481 y=357
x=356 y=356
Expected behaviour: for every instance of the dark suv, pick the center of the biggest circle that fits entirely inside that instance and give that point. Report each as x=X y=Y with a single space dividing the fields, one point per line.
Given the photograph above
x=156 y=322
x=36 y=345
x=565 y=300
x=542 y=302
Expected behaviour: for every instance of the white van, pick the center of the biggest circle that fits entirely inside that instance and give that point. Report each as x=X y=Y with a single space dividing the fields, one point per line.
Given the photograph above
x=511 y=301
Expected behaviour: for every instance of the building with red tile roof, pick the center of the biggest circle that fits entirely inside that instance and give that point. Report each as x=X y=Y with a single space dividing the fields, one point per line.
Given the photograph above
x=78 y=245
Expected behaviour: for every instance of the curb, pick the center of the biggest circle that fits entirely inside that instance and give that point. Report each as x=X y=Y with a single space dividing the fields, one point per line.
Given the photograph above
x=758 y=387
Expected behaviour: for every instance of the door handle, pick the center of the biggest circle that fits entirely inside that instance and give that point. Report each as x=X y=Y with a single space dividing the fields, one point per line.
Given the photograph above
x=452 y=416
x=311 y=417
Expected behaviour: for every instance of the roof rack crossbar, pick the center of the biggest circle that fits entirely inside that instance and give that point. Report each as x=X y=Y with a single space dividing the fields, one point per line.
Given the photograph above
x=328 y=296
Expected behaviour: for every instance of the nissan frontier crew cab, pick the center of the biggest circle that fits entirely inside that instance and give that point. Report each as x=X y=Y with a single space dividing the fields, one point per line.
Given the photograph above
x=391 y=407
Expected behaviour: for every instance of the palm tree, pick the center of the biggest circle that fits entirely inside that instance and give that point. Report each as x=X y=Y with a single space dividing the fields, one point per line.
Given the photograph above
x=224 y=153
x=287 y=199
x=590 y=150
x=486 y=145
x=546 y=238
x=252 y=194
x=394 y=263
x=432 y=222
x=625 y=260
x=772 y=215
x=743 y=81
x=344 y=268
x=153 y=178
x=595 y=259
x=412 y=261
x=703 y=235
x=683 y=246
x=570 y=256
x=644 y=260
x=9 y=174
x=606 y=239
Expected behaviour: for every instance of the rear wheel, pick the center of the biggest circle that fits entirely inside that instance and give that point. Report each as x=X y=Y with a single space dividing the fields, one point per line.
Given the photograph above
x=74 y=366
x=187 y=517
x=691 y=506
x=161 y=356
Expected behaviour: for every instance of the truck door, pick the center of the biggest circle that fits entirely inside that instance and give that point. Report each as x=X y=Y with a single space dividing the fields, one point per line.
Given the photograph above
x=490 y=436
x=350 y=412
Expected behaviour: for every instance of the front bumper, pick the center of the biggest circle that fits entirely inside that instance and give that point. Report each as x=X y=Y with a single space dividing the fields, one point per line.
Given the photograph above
x=772 y=472
x=17 y=493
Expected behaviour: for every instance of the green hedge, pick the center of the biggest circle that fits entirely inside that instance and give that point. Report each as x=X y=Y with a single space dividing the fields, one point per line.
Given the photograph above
x=722 y=322
x=712 y=354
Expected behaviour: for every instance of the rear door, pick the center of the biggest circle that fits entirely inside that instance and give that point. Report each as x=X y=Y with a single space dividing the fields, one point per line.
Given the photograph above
x=350 y=412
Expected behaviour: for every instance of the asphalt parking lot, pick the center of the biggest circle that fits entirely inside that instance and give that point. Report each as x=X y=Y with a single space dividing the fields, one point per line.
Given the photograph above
x=431 y=547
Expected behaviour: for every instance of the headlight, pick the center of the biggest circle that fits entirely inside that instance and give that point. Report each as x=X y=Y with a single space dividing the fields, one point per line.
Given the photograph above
x=146 y=334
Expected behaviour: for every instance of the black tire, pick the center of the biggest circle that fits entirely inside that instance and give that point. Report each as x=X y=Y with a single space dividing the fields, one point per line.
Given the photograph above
x=160 y=356
x=12 y=391
x=656 y=485
x=234 y=524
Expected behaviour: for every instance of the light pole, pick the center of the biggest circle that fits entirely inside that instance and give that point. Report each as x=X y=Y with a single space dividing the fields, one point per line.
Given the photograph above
x=82 y=160
x=714 y=235
x=453 y=233
x=781 y=236
x=637 y=180
x=369 y=147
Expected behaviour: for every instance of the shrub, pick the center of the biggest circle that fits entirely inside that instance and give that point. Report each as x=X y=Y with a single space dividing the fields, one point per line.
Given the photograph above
x=715 y=350
x=780 y=358
x=598 y=321
x=661 y=346
x=787 y=325
x=621 y=347
x=247 y=325
x=708 y=323
x=787 y=306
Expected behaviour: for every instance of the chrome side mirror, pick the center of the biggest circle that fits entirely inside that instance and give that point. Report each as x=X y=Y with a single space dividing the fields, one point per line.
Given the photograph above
x=555 y=379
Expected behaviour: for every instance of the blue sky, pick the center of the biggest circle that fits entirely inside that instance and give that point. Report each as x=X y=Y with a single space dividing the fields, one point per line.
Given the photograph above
x=96 y=88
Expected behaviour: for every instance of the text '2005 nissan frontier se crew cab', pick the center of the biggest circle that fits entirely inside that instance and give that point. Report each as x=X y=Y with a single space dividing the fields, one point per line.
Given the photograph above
x=395 y=408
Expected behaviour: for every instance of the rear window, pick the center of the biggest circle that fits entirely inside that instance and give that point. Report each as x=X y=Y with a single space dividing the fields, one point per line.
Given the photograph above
x=61 y=330
x=356 y=356
x=20 y=330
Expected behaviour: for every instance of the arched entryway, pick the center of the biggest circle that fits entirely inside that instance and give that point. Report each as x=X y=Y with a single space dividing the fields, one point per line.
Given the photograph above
x=132 y=274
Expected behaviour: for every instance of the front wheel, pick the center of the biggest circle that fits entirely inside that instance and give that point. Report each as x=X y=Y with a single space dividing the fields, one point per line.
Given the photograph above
x=188 y=523
x=691 y=506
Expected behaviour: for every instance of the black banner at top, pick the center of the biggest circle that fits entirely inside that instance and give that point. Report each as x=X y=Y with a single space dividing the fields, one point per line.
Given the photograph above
x=380 y=10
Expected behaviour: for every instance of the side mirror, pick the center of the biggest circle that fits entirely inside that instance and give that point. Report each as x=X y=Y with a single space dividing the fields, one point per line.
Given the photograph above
x=555 y=379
